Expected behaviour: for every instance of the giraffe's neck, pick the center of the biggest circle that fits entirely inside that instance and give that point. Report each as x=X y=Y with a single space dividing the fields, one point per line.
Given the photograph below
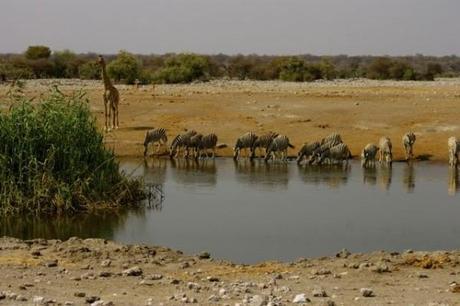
x=105 y=77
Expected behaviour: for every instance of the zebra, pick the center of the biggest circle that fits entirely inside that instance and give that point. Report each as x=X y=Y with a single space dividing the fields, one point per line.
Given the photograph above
x=408 y=140
x=385 y=147
x=369 y=153
x=326 y=143
x=208 y=142
x=338 y=153
x=333 y=139
x=155 y=136
x=453 y=146
x=279 y=144
x=181 y=141
x=306 y=151
x=245 y=141
x=263 y=142
x=194 y=144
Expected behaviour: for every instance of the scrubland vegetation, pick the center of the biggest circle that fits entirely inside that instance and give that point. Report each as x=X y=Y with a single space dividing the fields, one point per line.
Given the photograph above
x=52 y=158
x=41 y=62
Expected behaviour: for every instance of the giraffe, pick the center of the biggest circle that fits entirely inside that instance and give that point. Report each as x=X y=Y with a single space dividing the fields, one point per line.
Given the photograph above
x=111 y=97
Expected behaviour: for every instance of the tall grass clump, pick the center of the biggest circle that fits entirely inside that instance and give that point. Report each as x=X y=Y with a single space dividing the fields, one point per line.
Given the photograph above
x=52 y=158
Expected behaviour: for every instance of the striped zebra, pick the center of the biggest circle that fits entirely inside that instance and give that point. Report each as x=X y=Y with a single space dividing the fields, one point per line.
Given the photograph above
x=181 y=142
x=385 y=147
x=306 y=151
x=338 y=153
x=453 y=146
x=408 y=141
x=263 y=142
x=244 y=142
x=279 y=144
x=155 y=136
x=208 y=142
x=333 y=139
x=369 y=154
x=194 y=144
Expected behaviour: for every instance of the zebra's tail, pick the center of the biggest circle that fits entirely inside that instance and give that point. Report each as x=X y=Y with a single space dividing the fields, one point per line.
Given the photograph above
x=221 y=146
x=291 y=146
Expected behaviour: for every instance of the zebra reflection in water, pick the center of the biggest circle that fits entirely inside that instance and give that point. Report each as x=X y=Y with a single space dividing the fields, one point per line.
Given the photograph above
x=194 y=171
x=260 y=173
x=385 y=176
x=409 y=177
x=333 y=176
x=370 y=175
x=154 y=179
x=453 y=181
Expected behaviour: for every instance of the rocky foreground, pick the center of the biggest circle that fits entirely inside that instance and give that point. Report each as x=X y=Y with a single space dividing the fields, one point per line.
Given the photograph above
x=101 y=272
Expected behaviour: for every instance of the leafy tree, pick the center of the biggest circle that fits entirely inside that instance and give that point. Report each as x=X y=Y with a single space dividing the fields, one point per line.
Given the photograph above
x=66 y=64
x=184 y=68
x=37 y=52
x=293 y=69
x=379 y=68
x=89 y=71
x=125 y=67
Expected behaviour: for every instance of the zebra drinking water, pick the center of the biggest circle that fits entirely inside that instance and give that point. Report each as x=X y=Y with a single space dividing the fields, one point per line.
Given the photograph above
x=385 y=147
x=245 y=141
x=181 y=141
x=306 y=151
x=208 y=142
x=453 y=146
x=369 y=154
x=279 y=144
x=263 y=142
x=338 y=153
x=408 y=140
x=155 y=136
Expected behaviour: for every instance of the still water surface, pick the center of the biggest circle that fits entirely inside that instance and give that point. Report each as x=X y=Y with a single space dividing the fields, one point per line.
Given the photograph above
x=248 y=212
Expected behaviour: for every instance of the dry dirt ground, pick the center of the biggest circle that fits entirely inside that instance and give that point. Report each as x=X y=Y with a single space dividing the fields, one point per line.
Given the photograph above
x=100 y=272
x=361 y=110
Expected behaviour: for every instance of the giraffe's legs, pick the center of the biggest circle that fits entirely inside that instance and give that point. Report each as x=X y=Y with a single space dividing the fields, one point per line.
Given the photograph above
x=116 y=114
x=114 y=109
x=106 y=126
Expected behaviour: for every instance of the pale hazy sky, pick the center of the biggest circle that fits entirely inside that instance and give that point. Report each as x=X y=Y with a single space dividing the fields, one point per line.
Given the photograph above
x=377 y=27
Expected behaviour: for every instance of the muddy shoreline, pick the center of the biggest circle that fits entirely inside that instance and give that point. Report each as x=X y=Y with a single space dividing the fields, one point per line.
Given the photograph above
x=102 y=272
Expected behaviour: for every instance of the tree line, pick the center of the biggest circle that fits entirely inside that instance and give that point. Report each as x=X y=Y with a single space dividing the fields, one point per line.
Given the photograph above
x=125 y=67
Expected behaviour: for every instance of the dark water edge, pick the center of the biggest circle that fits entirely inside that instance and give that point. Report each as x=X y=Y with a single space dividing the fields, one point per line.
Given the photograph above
x=248 y=212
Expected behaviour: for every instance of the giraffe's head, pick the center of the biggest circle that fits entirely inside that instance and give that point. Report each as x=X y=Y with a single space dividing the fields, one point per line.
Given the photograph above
x=100 y=60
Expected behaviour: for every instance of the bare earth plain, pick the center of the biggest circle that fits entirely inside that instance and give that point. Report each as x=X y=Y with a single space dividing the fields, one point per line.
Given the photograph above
x=360 y=110
x=99 y=272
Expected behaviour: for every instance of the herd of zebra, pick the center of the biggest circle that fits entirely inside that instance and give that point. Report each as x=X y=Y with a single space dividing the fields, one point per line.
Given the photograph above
x=331 y=149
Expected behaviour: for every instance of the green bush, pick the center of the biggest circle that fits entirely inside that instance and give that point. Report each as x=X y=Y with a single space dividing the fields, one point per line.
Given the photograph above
x=89 y=71
x=52 y=159
x=66 y=64
x=183 y=68
x=126 y=67
x=37 y=52
x=293 y=69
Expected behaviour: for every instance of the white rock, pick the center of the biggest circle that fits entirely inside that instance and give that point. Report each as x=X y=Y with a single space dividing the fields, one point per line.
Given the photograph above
x=366 y=292
x=300 y=298
x=38 y=299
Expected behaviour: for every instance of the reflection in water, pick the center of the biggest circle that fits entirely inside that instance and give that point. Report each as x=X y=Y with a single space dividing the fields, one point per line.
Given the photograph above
x=191 y=171
x=385 y=175
x=332 y=175
x=154 y=171
x=273 y=175
x=100 y=225
x=453 y=181
x=369 y=175
x=409 y=177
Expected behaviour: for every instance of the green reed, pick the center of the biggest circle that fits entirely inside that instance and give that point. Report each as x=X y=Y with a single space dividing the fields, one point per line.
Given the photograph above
x=53 y=159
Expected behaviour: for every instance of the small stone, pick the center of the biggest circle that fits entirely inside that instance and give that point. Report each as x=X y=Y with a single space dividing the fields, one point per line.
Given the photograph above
x=184 y=265
x=175 y=282
x=322 y=272
x=422 y=275
x=79 y=294
x=38 y=300
x=318 y=292
x=214 y=298
x=344 y=253
x=36 y=253
x=381 y=268
x=92 y=299
x=366 y=292
x=21 y=298
x=146 y=282
x=134 y=271
x=278 y=276
x=51 y=263
x=300 y=298
x=104 y=274
x=106 y=263
x=258 y=300
x=204 y=255
x=68 y=303
x=154 y=277
x=454 y=287
x=195 y=286
x=212 y=279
